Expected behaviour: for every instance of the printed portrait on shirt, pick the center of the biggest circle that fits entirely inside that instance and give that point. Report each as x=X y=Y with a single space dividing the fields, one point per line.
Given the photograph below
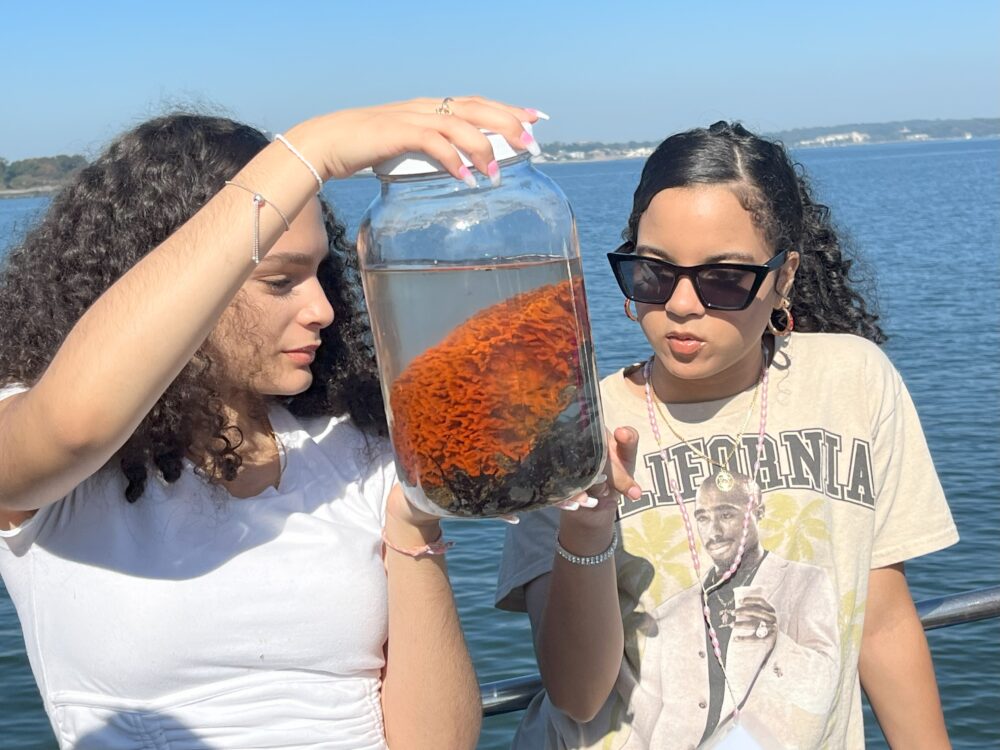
x=775 y=627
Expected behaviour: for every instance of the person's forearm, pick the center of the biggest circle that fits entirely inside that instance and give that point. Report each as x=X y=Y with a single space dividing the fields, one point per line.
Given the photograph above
x=430 y=695
x=581 y=639
x=895 y=666
x=134 y=340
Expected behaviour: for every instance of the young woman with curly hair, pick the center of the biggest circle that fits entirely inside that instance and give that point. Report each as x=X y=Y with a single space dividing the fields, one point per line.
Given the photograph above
x=200 y=526
x=736 y=592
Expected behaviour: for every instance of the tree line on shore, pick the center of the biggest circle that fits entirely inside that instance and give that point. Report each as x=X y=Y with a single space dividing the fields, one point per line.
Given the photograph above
x=38 y=173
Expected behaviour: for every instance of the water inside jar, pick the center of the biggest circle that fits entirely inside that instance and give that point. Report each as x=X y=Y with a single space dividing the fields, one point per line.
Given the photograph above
x=487 y=372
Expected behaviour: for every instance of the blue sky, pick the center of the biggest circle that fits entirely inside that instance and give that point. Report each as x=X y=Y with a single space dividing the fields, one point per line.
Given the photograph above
x=77 y=73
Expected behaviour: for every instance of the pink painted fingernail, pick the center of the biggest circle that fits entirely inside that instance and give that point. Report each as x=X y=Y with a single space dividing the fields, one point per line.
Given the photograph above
x=493 y=170
x=466 y=176
x=528 y=141
x=634 y=492
x=537 y=113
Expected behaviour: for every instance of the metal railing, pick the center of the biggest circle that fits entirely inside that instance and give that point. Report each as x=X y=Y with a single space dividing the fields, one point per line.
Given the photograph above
x=514 y=694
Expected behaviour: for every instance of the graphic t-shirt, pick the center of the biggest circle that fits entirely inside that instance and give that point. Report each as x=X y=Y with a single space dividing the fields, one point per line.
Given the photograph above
x=846 y=485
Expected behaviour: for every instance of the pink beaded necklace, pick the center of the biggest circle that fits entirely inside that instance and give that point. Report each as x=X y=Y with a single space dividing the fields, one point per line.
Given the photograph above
x=751 y=504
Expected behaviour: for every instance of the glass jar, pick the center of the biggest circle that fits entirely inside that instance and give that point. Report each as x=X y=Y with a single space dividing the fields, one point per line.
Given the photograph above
x=482 y=336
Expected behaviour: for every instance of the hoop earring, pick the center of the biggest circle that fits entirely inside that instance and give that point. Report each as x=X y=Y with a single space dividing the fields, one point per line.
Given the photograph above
x=633 y=316
x=784 y=308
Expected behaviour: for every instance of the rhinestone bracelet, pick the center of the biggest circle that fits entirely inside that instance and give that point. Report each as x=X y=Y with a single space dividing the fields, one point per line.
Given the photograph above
x=592 y=559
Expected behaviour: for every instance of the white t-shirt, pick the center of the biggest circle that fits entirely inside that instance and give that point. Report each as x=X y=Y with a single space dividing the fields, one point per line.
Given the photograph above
x=848 y=485
x=191 y=619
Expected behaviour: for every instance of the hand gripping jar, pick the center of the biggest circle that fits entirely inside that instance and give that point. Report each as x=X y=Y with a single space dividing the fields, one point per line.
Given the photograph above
x=482 y=336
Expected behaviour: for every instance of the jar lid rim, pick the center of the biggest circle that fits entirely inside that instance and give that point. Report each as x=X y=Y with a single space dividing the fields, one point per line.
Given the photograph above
x=419 y=163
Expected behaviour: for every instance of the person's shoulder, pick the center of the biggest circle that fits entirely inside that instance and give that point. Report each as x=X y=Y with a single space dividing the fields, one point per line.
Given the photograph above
x=329 y=426
x=339 y=435
x=617 y=378
x=842 y=352
x=618 y=393
x=832 y=345
x=326 y=426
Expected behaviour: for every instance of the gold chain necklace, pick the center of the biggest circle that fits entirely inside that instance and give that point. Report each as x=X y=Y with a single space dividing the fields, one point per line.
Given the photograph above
x=723 y=478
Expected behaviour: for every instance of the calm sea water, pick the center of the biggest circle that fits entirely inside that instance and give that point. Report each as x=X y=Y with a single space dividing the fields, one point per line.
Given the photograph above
x=926 y=220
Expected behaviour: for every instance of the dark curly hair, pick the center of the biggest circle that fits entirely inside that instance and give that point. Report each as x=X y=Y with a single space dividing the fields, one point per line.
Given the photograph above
x=776 y=192
x=130 y=199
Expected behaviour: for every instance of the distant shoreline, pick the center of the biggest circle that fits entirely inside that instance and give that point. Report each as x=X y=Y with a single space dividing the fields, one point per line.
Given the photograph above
x=596 y=154
x=35 y=192
x=642 y=152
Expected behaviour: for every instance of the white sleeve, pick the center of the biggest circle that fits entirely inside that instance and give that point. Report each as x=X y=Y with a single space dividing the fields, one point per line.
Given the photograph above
x=912 y=517
x=25 y=533
x=11 y=390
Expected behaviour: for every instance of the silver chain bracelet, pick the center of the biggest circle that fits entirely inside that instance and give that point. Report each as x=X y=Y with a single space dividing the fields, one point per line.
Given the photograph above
x=592 y=559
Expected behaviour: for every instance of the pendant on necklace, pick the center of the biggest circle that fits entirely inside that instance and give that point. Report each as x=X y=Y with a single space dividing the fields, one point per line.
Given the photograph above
x=724 y=481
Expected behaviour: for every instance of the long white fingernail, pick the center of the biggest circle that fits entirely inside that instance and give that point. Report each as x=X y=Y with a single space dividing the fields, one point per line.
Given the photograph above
x=529 y=142
x=569 y=505
x=512 y=520
x=589 y=502
x=466 y=176
x=600 y=478
x=537 y=113
x=493 y=170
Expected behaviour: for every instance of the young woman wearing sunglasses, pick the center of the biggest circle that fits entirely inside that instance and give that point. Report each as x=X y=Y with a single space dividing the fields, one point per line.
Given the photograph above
x=750 y=581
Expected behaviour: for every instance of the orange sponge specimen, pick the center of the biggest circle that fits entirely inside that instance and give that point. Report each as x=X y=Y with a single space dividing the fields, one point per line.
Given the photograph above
x=476 y=404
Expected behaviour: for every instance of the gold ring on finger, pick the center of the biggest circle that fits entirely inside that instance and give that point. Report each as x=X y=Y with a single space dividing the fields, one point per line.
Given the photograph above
x=444 y=108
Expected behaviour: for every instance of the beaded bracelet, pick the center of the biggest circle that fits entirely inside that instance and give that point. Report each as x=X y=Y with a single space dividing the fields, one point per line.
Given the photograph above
x=437 y=547
x=304 y=160
x=258 y=201
x=592 y=559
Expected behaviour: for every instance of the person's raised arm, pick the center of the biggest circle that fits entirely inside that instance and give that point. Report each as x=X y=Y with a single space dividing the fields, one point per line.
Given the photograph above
x=574 y=610
x=133 y=341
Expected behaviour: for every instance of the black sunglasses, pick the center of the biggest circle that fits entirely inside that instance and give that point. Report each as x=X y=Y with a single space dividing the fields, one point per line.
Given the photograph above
x=719 y=286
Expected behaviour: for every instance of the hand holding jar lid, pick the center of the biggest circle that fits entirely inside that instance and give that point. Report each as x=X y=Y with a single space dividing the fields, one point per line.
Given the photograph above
x=448 y=132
